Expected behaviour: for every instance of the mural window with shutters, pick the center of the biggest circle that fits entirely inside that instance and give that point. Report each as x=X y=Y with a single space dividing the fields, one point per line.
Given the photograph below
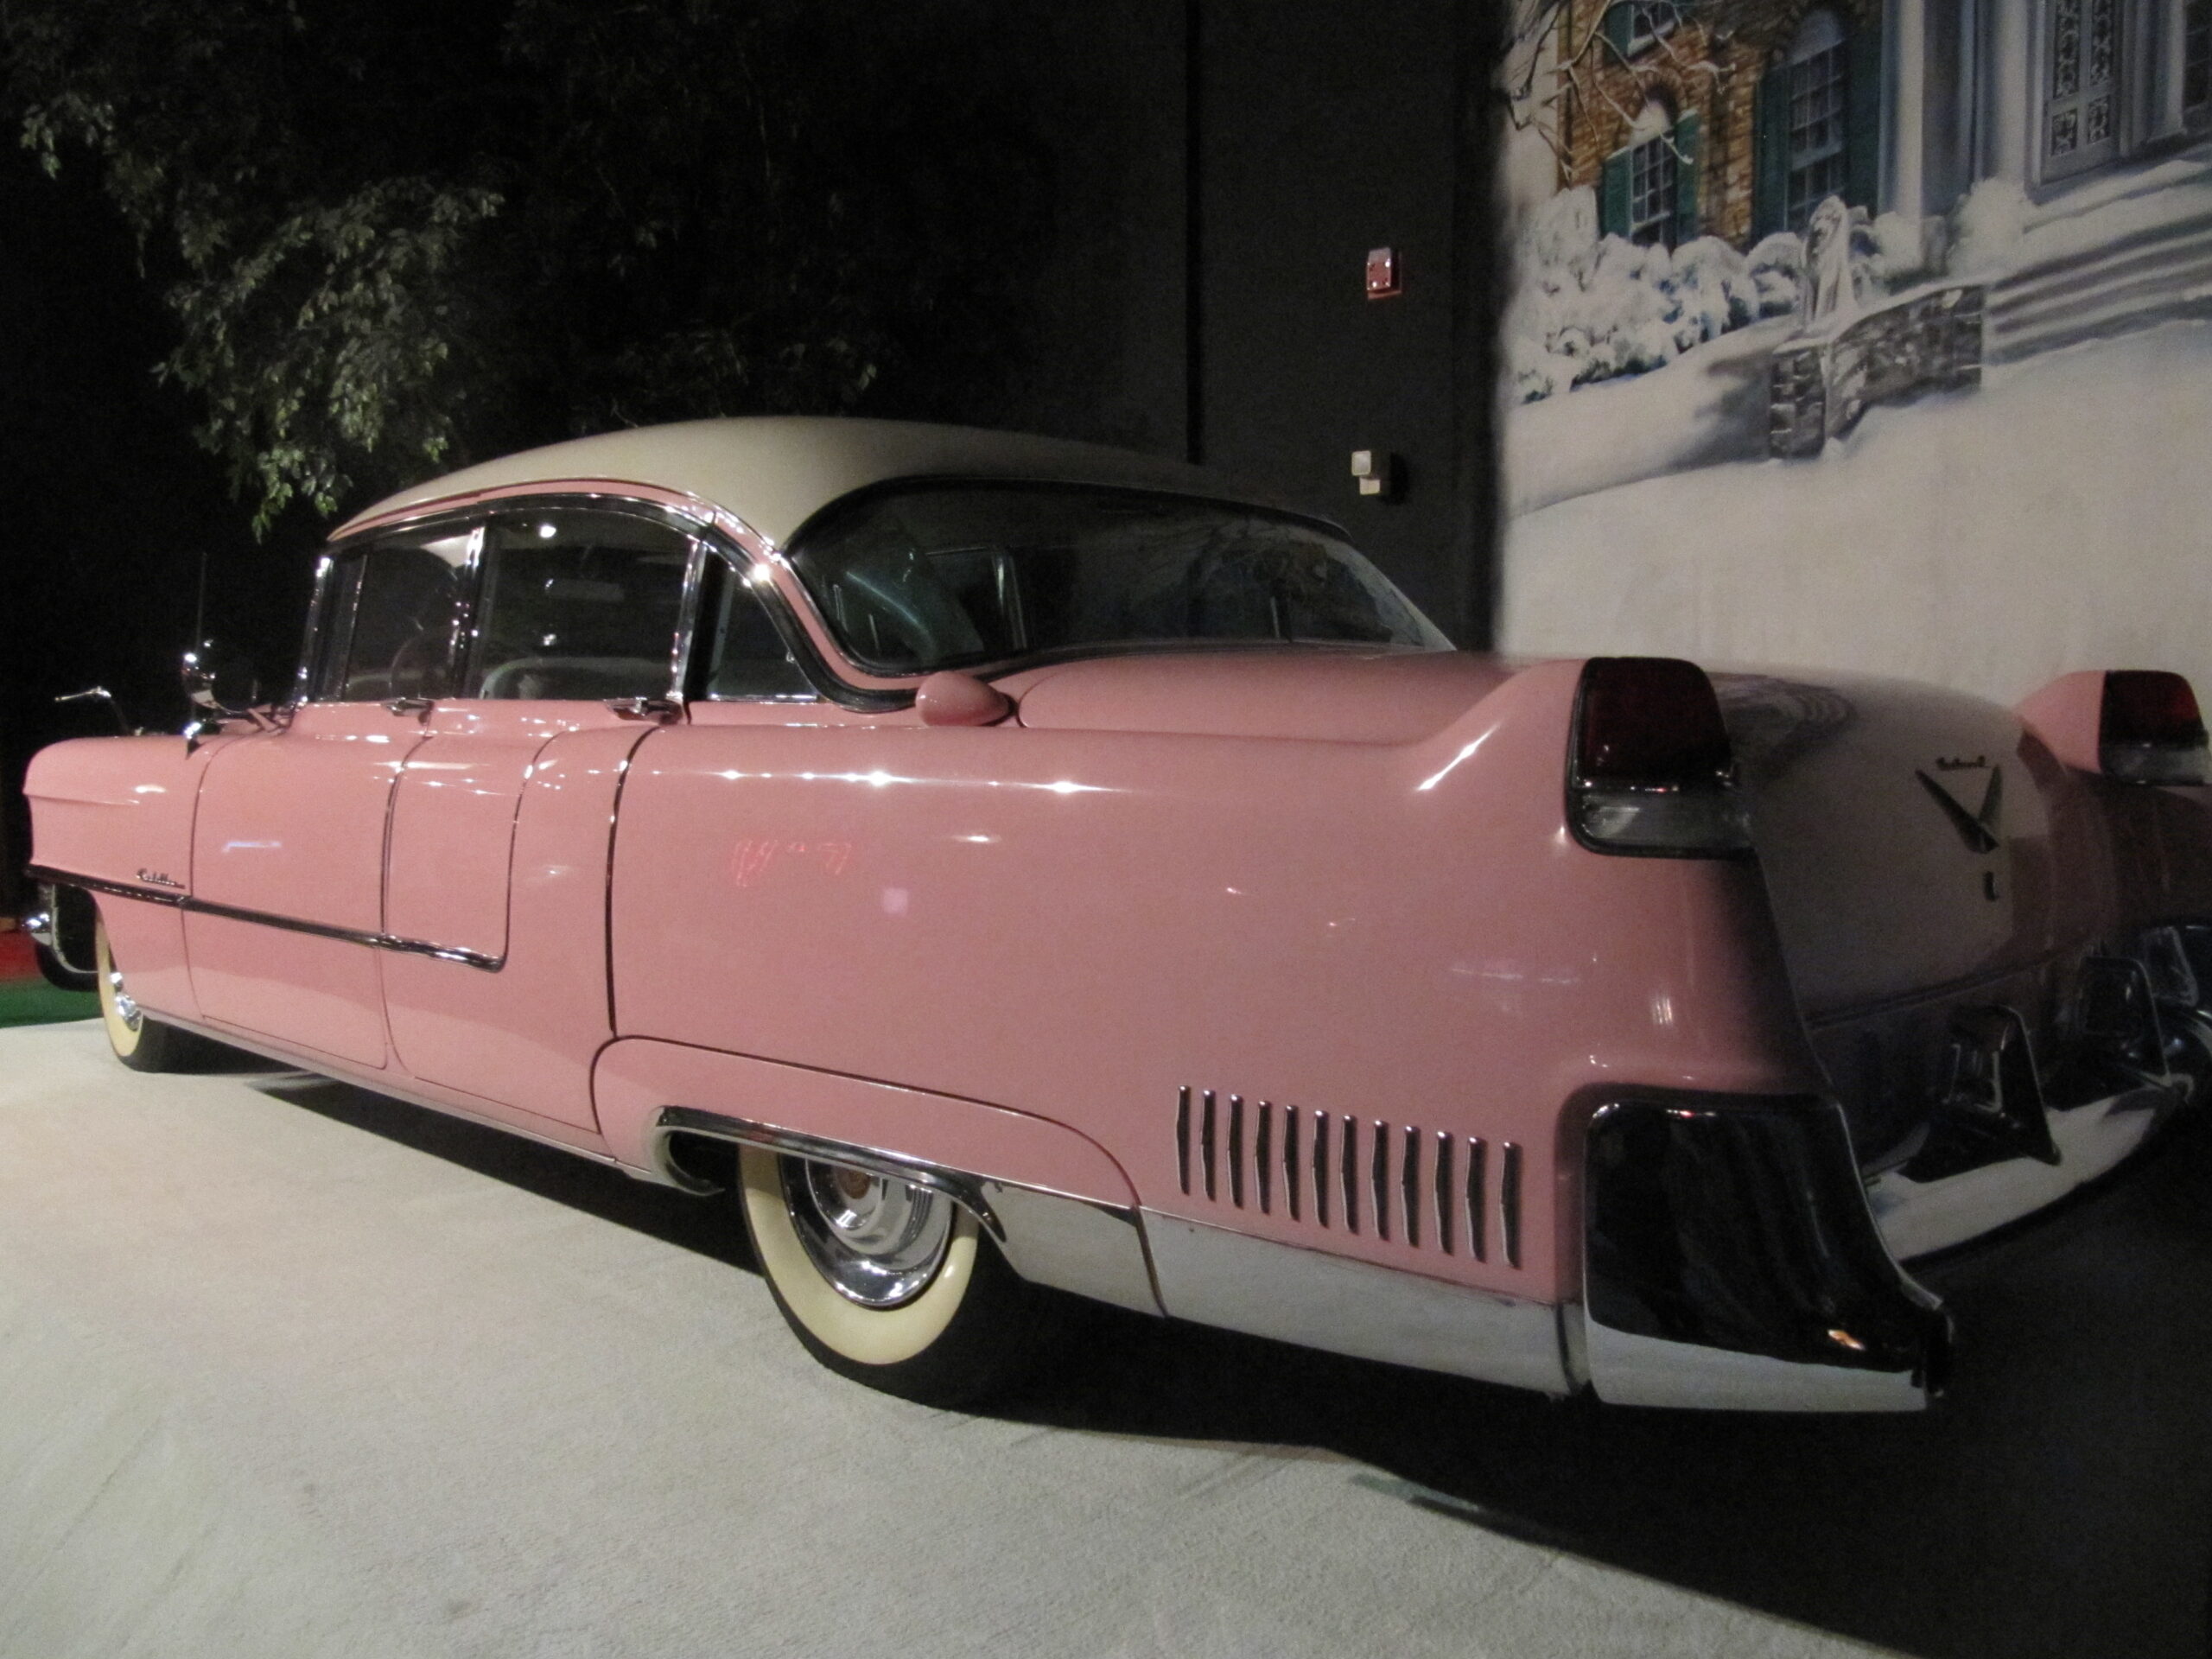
x=1635 y=26
x=1820 y=119
x=1650 y=193
x=1819 y=114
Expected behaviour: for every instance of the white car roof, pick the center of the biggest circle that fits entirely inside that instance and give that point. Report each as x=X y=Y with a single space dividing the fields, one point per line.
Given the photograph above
x=776 y=472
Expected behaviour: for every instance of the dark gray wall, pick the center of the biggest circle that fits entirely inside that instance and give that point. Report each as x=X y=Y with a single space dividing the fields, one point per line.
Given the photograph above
x=1239 y=334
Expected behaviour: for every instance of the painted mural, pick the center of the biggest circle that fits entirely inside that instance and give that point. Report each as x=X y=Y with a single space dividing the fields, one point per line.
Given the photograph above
x=1872 y=332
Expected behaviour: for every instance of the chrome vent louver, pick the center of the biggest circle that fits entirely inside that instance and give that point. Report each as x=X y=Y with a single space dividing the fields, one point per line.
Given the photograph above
x=1339 y=1172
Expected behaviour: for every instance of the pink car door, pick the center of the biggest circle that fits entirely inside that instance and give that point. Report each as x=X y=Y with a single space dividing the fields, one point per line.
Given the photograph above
x=503 y=812
x=287 y=841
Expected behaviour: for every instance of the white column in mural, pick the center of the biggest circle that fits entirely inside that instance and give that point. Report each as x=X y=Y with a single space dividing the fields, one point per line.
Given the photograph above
x=1905 y=107
x=2162 y=32
x=2008 y=91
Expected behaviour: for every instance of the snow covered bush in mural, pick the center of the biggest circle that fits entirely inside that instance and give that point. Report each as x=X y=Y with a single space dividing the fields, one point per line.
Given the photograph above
x=1588 y=307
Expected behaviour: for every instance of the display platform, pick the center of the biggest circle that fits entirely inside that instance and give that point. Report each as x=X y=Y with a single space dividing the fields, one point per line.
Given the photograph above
x=293 y=1370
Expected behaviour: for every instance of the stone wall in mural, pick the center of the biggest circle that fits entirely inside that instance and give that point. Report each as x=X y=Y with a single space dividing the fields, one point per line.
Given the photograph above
x=1871 y=331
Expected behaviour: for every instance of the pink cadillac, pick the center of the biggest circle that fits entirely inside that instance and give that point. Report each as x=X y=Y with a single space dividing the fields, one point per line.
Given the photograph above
x=1016 y=867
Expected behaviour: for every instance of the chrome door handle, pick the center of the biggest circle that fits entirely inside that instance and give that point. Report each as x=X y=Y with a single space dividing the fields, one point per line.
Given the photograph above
x=415 y=706
x=645 y=707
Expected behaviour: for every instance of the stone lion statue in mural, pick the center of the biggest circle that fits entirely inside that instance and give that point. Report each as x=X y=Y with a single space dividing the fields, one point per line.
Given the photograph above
x=1830 y=298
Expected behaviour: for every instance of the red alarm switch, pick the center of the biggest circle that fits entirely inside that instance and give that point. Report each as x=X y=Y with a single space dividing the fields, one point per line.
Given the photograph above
x=1382 y=273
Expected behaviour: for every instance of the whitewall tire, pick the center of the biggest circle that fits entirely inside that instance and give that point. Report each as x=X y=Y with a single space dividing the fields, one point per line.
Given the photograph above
x=142 y=1043
x=889 y=1284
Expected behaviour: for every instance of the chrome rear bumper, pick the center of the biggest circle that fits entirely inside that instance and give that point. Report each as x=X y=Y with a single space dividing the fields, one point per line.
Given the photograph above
x=1730 y=1262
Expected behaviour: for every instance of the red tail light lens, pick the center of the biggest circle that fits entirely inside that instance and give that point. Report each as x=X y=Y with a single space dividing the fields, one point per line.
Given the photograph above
x=1650 y=722
x=1653 y=772
x=2150 y=730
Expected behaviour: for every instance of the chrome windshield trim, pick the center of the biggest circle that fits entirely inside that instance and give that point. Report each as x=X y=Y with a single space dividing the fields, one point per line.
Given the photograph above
x=191 y=905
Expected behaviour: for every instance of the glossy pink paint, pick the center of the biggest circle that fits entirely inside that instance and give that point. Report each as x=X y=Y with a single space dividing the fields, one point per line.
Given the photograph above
x=637 y=1076
x=1082 y=922
x=524 y=1035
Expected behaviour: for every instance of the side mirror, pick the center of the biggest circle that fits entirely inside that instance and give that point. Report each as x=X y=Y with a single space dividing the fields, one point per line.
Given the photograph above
x=101 y=695
x=220 y=681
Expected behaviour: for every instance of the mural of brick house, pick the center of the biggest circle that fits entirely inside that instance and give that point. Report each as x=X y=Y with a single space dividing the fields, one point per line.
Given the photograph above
x=1722 y=119
x=1734 y=117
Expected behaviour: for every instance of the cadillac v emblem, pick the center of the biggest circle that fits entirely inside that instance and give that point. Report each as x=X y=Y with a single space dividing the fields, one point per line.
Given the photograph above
x=1977 y=829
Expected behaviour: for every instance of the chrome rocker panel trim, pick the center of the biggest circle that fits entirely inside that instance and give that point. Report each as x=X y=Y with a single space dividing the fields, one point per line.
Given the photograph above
x=1049 y=1238
x=1213 y=1276
x=192 y=906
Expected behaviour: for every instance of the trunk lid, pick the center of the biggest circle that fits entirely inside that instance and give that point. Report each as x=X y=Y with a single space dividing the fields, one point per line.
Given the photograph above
x=1943 y=892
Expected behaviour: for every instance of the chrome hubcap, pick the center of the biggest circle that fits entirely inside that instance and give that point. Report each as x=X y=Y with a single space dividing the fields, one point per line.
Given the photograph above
x=878 y=1242
x=126 y=1009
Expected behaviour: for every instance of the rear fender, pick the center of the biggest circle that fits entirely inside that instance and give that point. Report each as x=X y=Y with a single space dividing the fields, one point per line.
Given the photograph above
x=1056 y=1204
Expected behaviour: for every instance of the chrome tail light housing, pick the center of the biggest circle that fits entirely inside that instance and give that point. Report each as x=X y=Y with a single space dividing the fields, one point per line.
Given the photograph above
x=2149 y=730
x=1649 y=768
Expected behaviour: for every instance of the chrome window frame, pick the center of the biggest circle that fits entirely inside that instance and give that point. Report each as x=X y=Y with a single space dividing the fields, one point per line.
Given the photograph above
x=314 y=664
x=708 y=538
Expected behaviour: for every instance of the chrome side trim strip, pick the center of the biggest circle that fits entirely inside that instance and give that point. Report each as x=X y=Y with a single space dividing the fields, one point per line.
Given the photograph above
x=966 y=1191
x=117 y=889
x=1213 y=1277
x=264 y=919
x=1069 y=1243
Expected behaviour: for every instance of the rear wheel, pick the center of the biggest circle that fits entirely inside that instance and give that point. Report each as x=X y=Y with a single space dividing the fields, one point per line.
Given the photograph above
x=142 y=1043
x=888 y=1283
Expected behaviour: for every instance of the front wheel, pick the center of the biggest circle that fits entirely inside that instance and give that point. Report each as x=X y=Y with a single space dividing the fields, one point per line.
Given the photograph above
x=888 y=1283
x=142 y=1043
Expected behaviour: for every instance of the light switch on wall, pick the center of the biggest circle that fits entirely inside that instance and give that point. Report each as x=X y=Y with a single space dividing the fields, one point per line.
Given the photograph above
x=1378 y=472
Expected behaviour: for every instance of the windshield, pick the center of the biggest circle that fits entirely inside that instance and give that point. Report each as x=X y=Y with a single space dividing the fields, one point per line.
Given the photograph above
x=929 y=577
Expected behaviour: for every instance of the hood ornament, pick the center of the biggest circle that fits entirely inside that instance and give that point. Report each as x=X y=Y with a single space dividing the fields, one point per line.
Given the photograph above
x=1978 y=829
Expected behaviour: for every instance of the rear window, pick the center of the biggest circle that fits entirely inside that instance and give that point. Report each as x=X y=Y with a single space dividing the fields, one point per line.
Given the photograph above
x=927 y=577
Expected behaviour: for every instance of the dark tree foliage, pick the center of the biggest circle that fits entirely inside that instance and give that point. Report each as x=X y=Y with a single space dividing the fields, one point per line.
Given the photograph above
x=397 y=236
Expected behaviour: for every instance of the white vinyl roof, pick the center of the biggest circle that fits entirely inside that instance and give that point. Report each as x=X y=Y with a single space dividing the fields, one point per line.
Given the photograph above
x=776 y=472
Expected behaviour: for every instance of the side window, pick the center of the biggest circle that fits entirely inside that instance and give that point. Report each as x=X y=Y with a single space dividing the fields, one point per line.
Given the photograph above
x=388 y=628
x=742 y=656
x=578 y=605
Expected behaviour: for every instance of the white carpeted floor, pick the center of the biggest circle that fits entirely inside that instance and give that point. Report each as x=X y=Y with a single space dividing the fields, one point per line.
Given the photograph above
x=273 y=1384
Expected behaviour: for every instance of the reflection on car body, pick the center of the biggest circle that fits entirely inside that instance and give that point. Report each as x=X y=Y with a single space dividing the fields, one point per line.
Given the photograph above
x=1054 y=870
